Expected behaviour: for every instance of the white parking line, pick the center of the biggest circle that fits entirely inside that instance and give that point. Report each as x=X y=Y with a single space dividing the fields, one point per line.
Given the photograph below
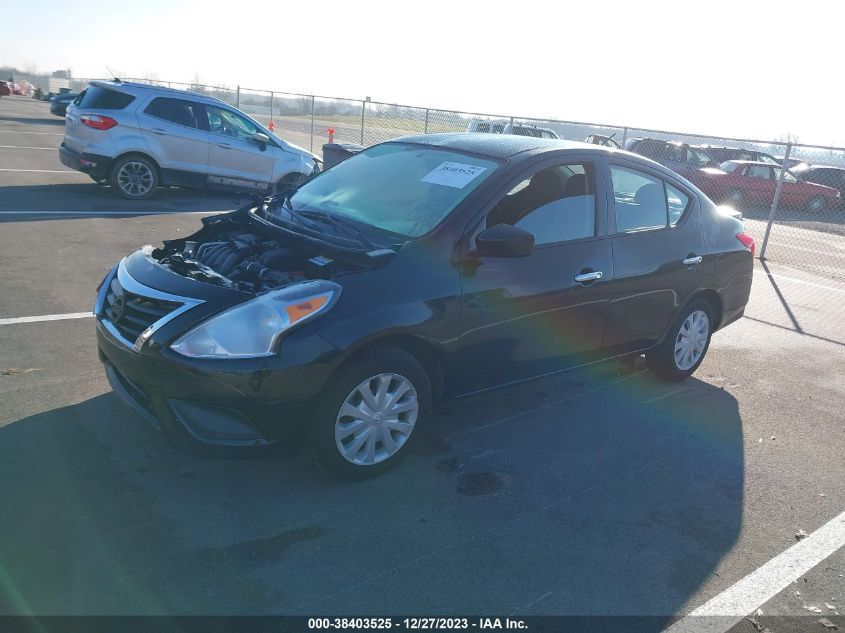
x=722 y=612
x=798 y=281
x=94 y=214
x=46 y=317
x=25 y=132
x=47 y=171
x=52 y=149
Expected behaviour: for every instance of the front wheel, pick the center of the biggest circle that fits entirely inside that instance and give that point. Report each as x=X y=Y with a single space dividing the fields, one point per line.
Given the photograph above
x=736 y=197
x=686 y=344
x=369 y=413
x=134 y=177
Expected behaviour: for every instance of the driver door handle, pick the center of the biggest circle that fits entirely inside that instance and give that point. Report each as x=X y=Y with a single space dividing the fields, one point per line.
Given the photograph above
x=224 y=145
x=588 y=277
x=159 y=131
x=692 y=260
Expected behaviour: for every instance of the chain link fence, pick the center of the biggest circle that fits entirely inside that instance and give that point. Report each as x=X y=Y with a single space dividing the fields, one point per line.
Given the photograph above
x=790 y=194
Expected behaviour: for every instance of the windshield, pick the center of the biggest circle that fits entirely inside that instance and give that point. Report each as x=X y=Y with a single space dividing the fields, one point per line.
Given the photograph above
x=400 y=188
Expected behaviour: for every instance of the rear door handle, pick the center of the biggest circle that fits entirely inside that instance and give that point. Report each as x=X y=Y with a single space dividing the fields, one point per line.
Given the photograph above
x=224 y=145
x=693 y=260
x=158 y=130
x=584 y=278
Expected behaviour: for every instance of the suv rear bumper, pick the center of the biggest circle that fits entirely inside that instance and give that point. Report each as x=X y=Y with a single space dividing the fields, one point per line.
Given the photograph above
x=93 y=164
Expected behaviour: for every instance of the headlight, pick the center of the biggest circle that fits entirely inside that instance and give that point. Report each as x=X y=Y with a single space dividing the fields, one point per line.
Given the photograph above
x=251 y=329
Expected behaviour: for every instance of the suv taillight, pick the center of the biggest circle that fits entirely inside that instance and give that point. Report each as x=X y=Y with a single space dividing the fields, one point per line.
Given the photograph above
x=747 y=241
x=98 y=122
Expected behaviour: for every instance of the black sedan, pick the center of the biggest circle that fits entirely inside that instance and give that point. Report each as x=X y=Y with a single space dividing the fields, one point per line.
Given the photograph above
x=421 y=269
x=59 y=103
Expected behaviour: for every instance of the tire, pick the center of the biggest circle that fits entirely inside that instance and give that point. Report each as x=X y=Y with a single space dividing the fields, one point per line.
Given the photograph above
x=817 y=204
x=134 y=178
x=736 y=197
x=669 y=360
x=342 y=443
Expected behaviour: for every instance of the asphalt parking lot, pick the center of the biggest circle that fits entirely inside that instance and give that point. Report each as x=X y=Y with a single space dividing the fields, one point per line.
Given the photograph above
x=597 y=492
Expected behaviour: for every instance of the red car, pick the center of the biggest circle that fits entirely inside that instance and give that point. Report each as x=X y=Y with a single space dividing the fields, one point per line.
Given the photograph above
x=741 y=182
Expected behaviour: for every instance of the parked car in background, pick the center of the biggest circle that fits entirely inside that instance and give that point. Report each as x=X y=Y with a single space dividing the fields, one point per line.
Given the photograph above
x=5 y=88
x=601 y=139
x=720 y=154
x=59 y=103
x=685 y=159
x=138 y=137
x=742 y=182
x=501 y=127
x=822 y=175
x=792 y=163
x=528 y=256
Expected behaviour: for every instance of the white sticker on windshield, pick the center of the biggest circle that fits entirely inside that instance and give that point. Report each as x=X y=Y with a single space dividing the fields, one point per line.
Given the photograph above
x=455 y=175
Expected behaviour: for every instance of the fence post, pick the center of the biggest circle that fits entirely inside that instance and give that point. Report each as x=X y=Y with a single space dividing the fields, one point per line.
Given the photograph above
x=363 y=110
x=624 y=136
x=238 y=98
x=426 y=122
x=775 y=201
x=312 y=123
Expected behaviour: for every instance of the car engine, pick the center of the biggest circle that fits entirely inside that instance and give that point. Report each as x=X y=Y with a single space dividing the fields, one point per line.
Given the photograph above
x=243 y=261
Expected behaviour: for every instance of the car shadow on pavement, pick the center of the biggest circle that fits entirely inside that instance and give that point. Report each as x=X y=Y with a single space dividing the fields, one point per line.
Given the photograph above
x=88 y=197
x=57 y=121
x=601 y=493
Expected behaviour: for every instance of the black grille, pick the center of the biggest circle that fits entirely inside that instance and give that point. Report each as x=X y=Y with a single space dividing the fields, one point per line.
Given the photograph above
x=130 y=313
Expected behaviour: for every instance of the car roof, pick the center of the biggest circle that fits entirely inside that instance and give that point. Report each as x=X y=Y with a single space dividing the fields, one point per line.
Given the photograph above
x=751 y=162
x=497 y=145
x=135 y=87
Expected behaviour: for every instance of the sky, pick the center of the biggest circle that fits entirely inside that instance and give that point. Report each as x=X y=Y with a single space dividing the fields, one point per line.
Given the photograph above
x=742 y=68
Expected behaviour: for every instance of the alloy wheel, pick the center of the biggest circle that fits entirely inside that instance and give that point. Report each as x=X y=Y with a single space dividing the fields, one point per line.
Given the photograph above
x=135 y=178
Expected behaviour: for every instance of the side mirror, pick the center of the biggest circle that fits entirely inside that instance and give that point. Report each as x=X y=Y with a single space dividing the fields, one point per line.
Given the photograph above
x=261 y=140
x=504 y=240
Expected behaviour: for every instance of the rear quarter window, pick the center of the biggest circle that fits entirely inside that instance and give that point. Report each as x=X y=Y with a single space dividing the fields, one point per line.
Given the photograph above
x=100 y=98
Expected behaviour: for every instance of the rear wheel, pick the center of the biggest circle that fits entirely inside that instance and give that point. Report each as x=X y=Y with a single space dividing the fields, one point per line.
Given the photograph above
x=369 y=413
x=817 y=204
x=134 y=177
x=686 y=344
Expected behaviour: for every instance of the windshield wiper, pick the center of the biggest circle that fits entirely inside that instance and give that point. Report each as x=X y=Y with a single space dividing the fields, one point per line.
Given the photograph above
x=285 y=198
x=336 y=222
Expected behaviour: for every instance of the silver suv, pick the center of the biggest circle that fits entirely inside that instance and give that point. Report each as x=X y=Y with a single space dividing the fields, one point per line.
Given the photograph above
x=138 y=137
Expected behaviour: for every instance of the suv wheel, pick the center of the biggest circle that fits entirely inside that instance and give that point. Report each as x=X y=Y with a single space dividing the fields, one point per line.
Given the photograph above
x=369 y=413
x=134 y=177
x=686 y=344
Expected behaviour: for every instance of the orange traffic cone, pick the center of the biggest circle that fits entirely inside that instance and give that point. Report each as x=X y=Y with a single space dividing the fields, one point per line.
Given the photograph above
x=331 y=135
x=272 y=126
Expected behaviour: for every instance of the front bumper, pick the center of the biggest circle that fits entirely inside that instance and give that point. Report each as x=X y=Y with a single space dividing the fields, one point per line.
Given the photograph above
x=92 y=164
x=207 y=403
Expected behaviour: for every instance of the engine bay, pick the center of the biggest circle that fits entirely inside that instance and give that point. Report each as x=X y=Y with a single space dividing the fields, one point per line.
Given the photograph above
x=244 y=261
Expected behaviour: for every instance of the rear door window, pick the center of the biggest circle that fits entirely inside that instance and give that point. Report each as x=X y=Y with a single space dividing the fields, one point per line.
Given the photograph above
x=176 y=111
x=759 y=171
x=644 y=202
x=99 y=98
